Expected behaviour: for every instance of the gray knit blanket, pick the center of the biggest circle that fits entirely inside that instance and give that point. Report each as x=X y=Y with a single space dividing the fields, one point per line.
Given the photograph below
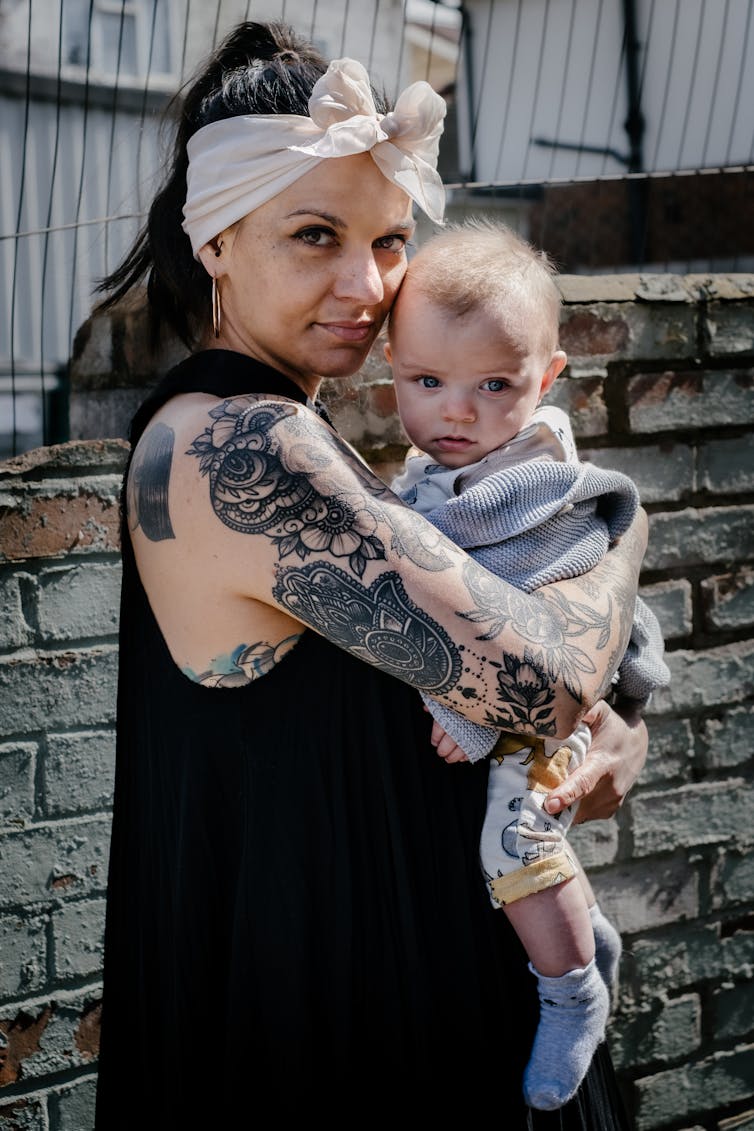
x=543 y=521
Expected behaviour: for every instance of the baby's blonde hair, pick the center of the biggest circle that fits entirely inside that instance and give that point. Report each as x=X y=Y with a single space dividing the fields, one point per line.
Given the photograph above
x=480 y=265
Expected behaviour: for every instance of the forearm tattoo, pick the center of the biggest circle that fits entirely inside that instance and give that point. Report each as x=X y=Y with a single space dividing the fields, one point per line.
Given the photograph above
x=293 y=502
x=148 y=482
x=379 y=624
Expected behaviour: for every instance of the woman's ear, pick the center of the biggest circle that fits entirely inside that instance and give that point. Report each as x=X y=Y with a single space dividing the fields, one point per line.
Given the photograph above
x=214 y=255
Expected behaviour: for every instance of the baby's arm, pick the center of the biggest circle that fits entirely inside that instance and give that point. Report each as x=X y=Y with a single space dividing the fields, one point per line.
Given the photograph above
x=446 y=746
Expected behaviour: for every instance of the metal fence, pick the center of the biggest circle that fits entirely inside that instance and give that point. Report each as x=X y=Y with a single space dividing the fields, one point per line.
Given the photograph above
x=616 y=134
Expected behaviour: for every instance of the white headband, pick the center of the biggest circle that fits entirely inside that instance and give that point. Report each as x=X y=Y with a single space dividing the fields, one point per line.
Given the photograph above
x=239 y=163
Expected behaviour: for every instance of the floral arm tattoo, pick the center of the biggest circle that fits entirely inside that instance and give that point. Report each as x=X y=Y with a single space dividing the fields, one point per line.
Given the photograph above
x=256 y=487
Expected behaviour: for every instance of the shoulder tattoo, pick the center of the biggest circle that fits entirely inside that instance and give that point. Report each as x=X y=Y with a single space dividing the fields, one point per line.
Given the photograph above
x=148 y=482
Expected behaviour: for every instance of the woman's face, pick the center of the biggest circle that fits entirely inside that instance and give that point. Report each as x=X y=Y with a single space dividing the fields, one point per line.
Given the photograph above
x=307 y=279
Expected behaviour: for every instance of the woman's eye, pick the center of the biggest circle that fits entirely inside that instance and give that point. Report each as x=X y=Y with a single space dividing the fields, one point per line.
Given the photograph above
x=494 y=385
x=391 y=243
x=429 y=382
x=317 y=237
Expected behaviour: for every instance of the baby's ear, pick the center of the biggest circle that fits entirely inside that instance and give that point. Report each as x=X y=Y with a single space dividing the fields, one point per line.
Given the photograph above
x=554 y=369
x=388 y=353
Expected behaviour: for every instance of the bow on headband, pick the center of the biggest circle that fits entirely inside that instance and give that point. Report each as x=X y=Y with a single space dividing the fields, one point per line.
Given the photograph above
x=239 y=163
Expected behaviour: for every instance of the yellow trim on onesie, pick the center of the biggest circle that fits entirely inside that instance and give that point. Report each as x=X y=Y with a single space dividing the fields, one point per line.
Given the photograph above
x=534 y=877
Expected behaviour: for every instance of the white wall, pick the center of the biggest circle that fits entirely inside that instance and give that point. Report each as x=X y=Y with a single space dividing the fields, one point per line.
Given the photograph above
x=555 y=69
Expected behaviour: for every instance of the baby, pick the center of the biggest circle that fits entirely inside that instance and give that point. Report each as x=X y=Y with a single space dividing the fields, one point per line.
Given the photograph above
x=473 y=346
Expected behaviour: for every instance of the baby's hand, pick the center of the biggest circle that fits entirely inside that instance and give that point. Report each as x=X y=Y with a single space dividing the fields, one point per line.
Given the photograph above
x=447 y=747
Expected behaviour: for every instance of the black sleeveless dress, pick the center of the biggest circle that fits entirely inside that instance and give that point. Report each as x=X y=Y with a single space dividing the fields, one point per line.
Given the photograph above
x=296 y=922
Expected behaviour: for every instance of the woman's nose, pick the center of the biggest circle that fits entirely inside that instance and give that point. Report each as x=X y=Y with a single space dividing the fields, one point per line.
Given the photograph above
x=359 y=279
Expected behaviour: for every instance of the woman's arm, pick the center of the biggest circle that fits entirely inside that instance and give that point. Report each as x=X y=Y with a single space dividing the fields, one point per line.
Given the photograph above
x=298 y=522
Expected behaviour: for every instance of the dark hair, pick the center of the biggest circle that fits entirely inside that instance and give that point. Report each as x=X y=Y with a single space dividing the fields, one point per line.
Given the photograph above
x=258 y=69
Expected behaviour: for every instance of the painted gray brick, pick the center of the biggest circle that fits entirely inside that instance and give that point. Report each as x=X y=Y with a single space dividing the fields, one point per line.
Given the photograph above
x=595 y=842
x=727 y=466
x=79 y=601
x=23 y=954
x=671 y=750
x=17 y=762
x=730 y=328
x=700 y=537
x=14 y=631
x=707 y=813
x=733 y=1011
x=74 y=1105
x=662 y=473
x=54 y=862
x=670 y=601
x=58 y=690
x=636 y=897
x=660 y=1031
x=729 y=600
x=25 y=1113
x=732 y=879
x=78 y=772
x=682 y=956
x=707 y=679
x=61 y=1025
x=693 y=1089
x=660 y=402
x=583 y=398
x=78 y=930
x=728 y=739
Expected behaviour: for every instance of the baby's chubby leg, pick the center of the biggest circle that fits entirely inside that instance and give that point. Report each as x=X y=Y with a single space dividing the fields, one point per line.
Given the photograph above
x=608 y=946
x=555 y=928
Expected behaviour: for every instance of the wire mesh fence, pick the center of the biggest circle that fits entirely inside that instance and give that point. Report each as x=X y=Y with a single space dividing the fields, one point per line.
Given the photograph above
x=616 y=134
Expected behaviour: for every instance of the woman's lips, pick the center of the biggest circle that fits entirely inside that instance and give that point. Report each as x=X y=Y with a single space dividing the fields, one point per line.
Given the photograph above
x=349 y=331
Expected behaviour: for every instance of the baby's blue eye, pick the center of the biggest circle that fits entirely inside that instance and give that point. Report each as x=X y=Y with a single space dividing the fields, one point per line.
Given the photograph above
x=429 y=382
x=494 y=385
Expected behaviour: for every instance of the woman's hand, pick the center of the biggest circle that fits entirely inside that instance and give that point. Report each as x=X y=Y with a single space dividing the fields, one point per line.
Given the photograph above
x=615 y=760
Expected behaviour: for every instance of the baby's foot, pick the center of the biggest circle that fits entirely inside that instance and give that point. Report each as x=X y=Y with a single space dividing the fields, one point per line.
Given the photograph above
x=573 y=1012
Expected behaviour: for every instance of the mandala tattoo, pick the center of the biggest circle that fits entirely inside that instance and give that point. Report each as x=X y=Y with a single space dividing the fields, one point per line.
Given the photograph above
x=148 y=482
x=379 y=624
x=254 y=493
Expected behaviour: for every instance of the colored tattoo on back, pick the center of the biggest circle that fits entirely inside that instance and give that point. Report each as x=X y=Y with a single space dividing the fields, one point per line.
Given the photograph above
x=246 y=663
x=148 y=482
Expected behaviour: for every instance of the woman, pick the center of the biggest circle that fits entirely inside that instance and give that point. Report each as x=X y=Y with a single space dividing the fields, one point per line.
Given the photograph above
x=296 y=920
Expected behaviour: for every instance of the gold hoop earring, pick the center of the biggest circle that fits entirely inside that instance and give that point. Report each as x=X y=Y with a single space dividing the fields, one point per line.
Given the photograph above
x=217 y=317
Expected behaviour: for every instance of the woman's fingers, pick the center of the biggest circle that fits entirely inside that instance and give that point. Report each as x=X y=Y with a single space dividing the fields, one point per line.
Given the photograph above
x=614 y=762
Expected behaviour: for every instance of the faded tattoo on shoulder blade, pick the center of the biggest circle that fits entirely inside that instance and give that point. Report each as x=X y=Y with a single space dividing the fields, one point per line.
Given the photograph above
x=148 y=483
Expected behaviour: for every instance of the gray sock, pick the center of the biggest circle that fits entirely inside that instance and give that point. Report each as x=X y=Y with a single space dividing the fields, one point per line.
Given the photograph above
x=607 y=946
x=573 y=1010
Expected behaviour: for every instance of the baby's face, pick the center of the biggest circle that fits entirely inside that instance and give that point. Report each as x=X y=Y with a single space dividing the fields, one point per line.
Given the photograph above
x=463 y=388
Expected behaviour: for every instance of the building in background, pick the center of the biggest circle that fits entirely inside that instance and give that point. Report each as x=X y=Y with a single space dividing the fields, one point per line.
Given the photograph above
x=621 y=130
x=83 y=84
x=615 y=134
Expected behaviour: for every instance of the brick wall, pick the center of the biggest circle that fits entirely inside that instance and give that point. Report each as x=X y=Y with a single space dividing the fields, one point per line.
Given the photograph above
x=661 y=385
